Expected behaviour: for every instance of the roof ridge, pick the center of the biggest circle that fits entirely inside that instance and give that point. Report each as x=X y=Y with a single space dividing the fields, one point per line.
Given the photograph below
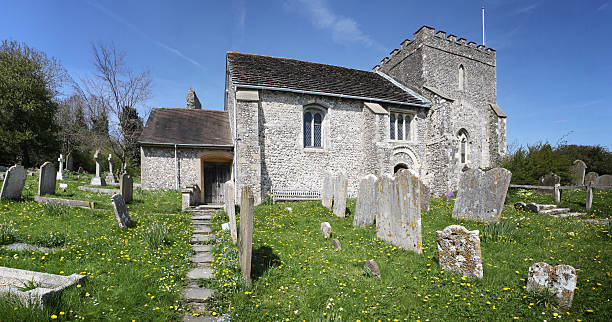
x=187 y=109
x=298 y=60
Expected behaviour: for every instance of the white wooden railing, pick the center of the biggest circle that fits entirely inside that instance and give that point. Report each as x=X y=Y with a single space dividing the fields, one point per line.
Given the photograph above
x=294 y=195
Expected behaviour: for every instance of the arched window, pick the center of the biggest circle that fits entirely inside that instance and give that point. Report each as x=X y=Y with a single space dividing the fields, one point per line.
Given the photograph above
x=461 y=78
x=313 y=128
x=463 y=146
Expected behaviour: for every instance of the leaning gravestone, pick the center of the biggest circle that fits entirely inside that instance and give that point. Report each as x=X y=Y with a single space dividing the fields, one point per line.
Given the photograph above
x=97 y=180
x=121 y=212
x=245 y=238
x=605 y=180
x=69 y=162
x=14 y=181
x=327 y=191
x=579 y=170
x=60 y=171
x=398 y=215
x=110 y=177
x=340 y=186
x=459 y=250
x=46 y=179
x=230 y=209
x=589 y=178
x=372 y=268
x=126 y=187
x=365 y=209
x=561 y=280
x=481 y=194
x=551 y=180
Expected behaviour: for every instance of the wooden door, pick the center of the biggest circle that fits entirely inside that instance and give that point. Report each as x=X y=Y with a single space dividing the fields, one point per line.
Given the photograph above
x=215 y=176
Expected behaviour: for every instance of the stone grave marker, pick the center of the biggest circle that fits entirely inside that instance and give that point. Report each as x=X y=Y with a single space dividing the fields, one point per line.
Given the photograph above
x=561 y=279
x=230 y=209
x=225 y=226
x=550 y=179
x=60 y=171
x=579 y=170
x=340 y=186
x=590 y=178
x=69 y=162
x=398 y=216
x=326 y=229
x=373 y=268
x=481 y=194
x=14 y=180
x=63 y=186
x=459 y=250
x=365 y=209
x=245 y=238
x=605 y=180
x=97 y=180
x=121 y=211
x=336 y=244
x=424 y=199
x=46 y=179
x=110 y=177
x=126 y=187
x=327 y=191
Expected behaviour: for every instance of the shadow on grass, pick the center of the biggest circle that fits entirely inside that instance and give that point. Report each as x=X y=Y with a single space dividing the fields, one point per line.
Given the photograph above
x=263 y=259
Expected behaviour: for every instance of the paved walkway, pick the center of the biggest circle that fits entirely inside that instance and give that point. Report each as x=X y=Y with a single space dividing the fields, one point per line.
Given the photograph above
x=193 y=294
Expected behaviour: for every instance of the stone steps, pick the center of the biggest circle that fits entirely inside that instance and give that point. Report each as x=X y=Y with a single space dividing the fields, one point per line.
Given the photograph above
x=554 y=211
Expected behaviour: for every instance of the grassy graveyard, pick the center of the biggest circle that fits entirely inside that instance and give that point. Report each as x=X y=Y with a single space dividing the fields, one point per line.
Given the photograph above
x=134 y=273
x=573 y=199
x=298 y=275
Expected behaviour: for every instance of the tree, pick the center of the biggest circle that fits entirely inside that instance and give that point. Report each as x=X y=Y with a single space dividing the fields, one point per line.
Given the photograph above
x=29 y=85
x=131 y=125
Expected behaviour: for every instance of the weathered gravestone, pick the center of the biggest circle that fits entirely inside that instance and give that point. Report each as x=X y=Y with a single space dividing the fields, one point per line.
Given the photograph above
x=327 y=191
x=551 y=180
x=69 y=162
x=326 y=229
x=459 y=250
x=245 y=237
x=14 y=180
x=336 y=244
x=230 y=209
x=126 y=187
x=590 y=178
x=372 y=268
x=579 y=170
x=110 y=177
x=365 y=209
x=481 y=194
x=46 y=179
x=561 y=280
x=97 y=180
x=340 y=186
x=605 y=180
x=424 y=199
x=398 y=214
x=60 y=171
x=121 y=211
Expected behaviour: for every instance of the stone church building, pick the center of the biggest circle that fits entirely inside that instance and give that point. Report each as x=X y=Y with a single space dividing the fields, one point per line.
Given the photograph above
x=430 y=107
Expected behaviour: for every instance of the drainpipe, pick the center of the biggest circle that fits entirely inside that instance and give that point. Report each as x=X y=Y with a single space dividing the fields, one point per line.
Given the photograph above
x=176 y=169
x=235 y=170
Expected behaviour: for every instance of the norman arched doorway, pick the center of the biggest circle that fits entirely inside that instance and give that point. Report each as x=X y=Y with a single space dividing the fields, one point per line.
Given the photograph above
x=399 y=167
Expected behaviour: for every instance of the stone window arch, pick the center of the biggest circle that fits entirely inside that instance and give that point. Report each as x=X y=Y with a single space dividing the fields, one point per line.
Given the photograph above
x=463 y=148
x=313 y=129
x=461 y=78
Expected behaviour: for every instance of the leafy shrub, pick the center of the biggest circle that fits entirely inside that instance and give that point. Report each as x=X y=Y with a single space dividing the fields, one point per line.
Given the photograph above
x=51 y=240
x=504 y=229
x=7 y=234
x=597 y=158
x=54 y=209
x=157 y=235
x=529 y=164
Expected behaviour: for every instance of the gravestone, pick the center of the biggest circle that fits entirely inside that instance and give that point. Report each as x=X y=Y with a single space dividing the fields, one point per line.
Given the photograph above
x=579 y=170
x=365 y=208
x=326 y=229
x=550 y=179
x=590 y=178
x=110 y=177
x=14 y=180
x=63 y=187
x=46 y=179
x=126 y=187
x=327 y=191
x=245 y=238
x=336 y=244
x=459 y=250
x=340 y=186
x=230 y=209
x=398 y=215
x=60 y=171
x=373 y=268
x=97 y=180
x=424 y=199
x=121 y=211
x=481 y=194
x=605 y=180
x=69 y=162
x=561 y=280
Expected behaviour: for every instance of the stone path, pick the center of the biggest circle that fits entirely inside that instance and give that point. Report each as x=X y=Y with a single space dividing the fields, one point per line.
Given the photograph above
x=193 y=294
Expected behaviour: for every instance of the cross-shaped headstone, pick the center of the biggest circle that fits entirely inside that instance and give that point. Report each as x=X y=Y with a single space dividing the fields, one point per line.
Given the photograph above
x=97 y=158
x=60 y=171
x=110 y=163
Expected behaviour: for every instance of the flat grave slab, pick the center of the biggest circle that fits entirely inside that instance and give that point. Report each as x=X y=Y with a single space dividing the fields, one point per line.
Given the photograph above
x=67 y=202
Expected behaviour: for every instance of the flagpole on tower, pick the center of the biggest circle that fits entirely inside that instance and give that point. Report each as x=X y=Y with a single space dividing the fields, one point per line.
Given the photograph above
x=483 y=27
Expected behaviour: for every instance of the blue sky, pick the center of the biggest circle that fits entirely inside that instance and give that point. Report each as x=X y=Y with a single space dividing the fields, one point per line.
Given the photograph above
x=554 y=58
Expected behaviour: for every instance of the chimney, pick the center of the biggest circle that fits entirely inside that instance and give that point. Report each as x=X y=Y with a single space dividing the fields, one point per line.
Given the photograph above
x=192 y=100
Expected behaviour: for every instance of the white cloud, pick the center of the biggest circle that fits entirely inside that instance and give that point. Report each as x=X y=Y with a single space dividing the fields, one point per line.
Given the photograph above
x=526 y=9
x=603 y=6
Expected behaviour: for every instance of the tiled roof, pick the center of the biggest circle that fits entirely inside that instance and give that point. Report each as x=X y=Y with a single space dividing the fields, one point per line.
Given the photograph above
x=291 y=74
x=186 y=126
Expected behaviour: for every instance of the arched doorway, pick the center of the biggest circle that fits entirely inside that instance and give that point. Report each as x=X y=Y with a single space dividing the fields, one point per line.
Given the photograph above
x=399 y=167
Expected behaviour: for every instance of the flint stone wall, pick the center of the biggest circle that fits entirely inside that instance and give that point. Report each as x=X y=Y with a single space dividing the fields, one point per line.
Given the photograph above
x=459 y=250
x=481 y=194
x=13 y=183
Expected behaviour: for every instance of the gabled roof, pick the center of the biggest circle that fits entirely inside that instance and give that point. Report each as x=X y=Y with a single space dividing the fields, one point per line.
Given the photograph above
x=187 y=127
x=257 y=71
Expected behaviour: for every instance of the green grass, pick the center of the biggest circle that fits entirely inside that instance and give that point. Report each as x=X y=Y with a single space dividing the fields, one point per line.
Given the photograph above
x=135 y=273
x=573 y=199
x=298 y=275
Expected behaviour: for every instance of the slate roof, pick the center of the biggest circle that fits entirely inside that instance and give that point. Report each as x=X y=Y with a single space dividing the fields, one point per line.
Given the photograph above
x=187 y=126
x=291 y=74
